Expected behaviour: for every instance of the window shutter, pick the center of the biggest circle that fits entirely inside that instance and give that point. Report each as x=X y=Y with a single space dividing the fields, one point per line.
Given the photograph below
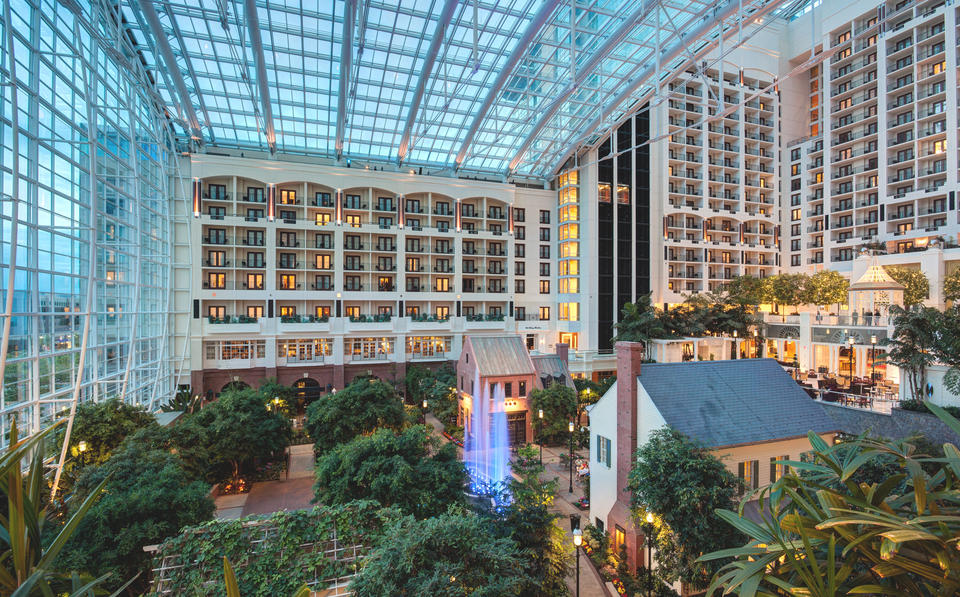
x=609 y=450
x=740 y=475
x=773 y=469
x=599 y=451
x=756 y=473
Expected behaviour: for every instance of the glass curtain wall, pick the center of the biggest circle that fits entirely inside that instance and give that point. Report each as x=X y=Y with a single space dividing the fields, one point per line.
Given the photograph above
x=85 y=215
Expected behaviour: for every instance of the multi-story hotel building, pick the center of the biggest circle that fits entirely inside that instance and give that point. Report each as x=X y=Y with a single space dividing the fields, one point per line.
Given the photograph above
x=827 y=134
x=567 y=170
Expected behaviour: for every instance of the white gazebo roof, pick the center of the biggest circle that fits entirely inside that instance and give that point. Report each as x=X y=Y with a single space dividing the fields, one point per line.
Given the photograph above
x=876 y=278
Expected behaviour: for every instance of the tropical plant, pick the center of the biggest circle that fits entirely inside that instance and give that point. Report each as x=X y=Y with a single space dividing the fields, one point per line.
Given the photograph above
x=364 y=405
x=820 y=533
x=30 y=539
x=450 y=554
x=410 y=470
x=147 y=497
x=639 y=322
x=416 y=381
x=946 y=347
x=915 y=282
x=912 y=344
x=681 y=484
x=183 y=401
x=559 y=405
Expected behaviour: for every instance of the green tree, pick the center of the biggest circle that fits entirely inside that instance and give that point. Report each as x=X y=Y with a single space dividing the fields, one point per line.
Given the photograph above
x=826 y=287
x=915 y=282
x=912 y=345
x=946 y=347
x=187 y=440
x=416 y=382
x=238 y=428
x=101 y=427
x=559 y=404
x=744 y=290
x=104 y=425
x=822 y=534
x=411 y=470
x=951 y=286
x=451 y=554
x=787 y=289
x=639 y=322
x=364 y=405
x=682 y=484
x=535 y=528
x=147 y=497
x=271 y=389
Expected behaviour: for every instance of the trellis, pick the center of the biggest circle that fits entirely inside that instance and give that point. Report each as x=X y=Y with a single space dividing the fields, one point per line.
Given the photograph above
x=168 y=566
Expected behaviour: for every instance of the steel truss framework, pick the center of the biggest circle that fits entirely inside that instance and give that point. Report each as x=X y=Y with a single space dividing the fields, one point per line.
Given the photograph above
x=475 y=86
x=85 y=218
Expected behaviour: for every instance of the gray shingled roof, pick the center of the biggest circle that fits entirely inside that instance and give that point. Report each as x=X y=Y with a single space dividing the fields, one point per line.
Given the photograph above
x=553 y=366
x=501 y=355
x=728 y=403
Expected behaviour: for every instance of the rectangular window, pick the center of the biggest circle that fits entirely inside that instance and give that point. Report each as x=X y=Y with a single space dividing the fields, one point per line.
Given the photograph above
x=255 y=311
x=777 y=468
x=522 y=389
x=544 y=216
x=748 y=472
x=544 y=234
x=544 y=251
x=544 y=269
x=544 y=286
x=520 y=286
x=544 y=313
x=519 y=214
x=520 y=232
x=604 y=446
x=519 y=250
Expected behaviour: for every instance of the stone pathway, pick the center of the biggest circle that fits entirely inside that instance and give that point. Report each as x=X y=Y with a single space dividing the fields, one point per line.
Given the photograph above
x=289 y=493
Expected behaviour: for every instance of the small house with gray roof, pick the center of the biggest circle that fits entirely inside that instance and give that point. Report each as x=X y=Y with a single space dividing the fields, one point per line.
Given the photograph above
x=749 y=412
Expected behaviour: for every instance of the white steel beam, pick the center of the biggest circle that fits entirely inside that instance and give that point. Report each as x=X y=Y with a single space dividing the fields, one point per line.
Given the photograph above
x=346 y=66
x=670 y=53
x=256 y=44
x=442 y=24
x=611 y=43
x=523 y=45
x=156 y=29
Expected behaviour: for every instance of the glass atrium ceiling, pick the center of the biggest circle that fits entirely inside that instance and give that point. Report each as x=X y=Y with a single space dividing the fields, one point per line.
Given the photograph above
x=481 y=86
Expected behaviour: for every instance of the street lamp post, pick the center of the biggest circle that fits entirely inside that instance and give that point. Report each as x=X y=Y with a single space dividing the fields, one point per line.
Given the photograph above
x=873 y=360
x=736 y=342
x=570 y=427
x=649 y=532
x=540 y=433
x=424 y=410
x=850 y=342
x=756 y=344
x=577 y=541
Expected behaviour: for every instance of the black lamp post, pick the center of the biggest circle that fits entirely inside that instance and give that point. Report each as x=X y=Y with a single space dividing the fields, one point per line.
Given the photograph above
x=648 y=531
x=736 y=343
x=577 y=542
x=540 y=433
x=424 y=410
x=570 y=427
x=850 y=342
x=873 y=360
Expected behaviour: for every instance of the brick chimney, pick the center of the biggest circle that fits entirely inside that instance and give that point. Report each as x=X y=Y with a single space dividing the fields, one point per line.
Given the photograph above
x=562 y=350
x=629 y=359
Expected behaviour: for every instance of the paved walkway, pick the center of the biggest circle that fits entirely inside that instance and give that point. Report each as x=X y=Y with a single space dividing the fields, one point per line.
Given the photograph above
x=289 y=493
x=591 y=584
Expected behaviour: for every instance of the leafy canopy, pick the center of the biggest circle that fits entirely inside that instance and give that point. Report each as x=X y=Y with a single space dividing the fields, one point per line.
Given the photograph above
x=951 y=286
x=239 y=428
x=559 y=404
x=639 y=322
x=826 y=287
x=364 y=405
x=682 y=484
x=450 y=554
x=917 y=286
x=411 y=470
x=147 y=497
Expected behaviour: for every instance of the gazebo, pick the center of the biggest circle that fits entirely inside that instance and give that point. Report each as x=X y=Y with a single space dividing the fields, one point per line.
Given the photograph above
x=874 y=291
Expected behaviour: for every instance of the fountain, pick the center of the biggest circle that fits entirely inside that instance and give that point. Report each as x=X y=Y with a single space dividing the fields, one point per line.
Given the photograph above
x=486 y=448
